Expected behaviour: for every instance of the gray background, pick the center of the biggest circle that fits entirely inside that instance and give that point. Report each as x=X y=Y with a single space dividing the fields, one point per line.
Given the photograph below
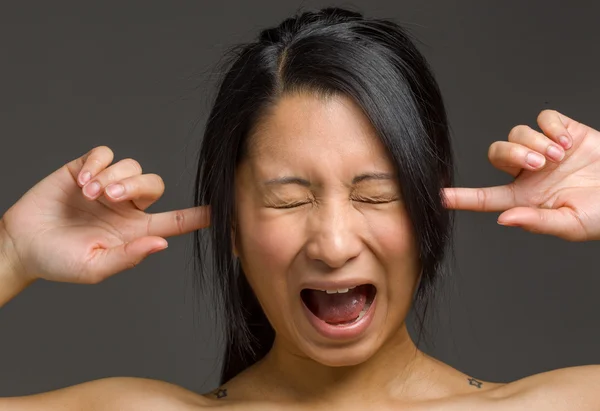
x=136 y=76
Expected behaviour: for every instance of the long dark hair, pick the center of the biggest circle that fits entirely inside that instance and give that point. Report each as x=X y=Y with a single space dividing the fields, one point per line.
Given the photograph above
x=330 y=51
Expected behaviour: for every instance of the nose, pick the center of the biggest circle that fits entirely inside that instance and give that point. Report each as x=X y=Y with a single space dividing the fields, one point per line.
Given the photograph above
x=333 y=238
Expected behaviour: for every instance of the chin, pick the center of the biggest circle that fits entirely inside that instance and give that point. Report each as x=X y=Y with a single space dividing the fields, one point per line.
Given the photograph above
x=340 y=354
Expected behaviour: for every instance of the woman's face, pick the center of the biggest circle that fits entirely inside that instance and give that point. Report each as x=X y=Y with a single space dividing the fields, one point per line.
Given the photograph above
x=319 y=209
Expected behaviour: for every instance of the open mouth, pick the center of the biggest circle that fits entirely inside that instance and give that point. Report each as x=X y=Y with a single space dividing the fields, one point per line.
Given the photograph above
x=339 y=307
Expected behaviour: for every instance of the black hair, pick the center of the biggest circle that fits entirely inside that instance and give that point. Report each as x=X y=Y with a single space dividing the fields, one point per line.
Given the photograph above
x=332 y=51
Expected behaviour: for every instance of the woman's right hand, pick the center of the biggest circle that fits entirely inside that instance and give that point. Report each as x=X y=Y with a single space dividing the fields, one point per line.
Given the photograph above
x=60 y=233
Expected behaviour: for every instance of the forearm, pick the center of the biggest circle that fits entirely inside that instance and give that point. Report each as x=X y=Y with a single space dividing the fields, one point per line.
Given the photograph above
x=11 y=282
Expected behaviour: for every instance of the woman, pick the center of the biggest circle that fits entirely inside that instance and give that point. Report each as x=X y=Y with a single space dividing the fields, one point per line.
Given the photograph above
x=327 y=168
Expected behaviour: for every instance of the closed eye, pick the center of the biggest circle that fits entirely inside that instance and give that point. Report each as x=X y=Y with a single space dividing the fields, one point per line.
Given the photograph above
x=375 y=200
x=359 y=199
x=291 y=205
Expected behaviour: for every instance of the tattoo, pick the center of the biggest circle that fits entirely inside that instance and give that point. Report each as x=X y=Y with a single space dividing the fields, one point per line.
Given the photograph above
x=474 y=382
x=220 y=393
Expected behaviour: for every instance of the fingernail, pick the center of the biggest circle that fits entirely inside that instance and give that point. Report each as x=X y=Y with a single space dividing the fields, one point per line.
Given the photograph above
x=534 y=159
x=555 y=153
x=92 y=189
x=115 y=190
x=509 y=224
x=156 y=250
x=564 y=141
x=85 y=177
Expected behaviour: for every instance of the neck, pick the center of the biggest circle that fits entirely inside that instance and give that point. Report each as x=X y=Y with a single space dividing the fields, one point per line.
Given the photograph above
x=395 y=365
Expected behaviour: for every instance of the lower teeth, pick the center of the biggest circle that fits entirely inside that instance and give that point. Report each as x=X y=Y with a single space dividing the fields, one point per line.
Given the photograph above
x=363 y=311
x=361 y=315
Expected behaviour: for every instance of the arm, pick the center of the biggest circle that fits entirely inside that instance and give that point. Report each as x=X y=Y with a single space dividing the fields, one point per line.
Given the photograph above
x=50 y=243
x=106 y=394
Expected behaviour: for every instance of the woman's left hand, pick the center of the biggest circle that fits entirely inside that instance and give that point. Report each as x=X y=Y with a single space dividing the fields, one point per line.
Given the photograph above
x=559 y=195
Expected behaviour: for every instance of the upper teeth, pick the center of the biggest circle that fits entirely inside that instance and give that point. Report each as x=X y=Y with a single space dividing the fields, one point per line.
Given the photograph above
x=339 y=290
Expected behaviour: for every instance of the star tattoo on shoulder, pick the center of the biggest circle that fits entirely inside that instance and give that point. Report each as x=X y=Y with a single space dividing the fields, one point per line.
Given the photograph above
x=220 y=393
x=474 y=382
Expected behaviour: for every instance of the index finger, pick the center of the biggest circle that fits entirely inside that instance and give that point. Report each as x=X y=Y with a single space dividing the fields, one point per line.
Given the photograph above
x=498 y=198
x=177 y=222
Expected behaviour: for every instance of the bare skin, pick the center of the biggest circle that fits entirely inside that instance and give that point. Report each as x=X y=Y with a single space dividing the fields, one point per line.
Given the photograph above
x=559 y=197
x=442 y=389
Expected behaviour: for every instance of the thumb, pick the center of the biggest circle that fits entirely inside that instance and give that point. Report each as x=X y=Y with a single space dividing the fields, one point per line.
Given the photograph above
x=126 y=256
x=561 y=222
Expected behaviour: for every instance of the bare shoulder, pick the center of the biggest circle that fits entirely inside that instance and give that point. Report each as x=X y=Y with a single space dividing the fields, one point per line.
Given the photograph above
x=122 y=393
x=574 y=388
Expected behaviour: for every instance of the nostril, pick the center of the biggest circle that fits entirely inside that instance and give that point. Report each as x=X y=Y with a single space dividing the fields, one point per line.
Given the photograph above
x=332 y=256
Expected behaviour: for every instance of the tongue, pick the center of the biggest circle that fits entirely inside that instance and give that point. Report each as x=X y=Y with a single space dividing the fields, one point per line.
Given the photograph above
x=336 y=308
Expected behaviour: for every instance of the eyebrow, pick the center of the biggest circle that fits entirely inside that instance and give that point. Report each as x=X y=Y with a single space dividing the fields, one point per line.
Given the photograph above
x=372 y=176
x=287 y=180
x=305 y=183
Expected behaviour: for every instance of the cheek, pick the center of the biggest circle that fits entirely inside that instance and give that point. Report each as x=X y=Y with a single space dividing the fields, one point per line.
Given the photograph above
x=267 y=249
x=397 y=251
x=395 y=237
x=267 y=244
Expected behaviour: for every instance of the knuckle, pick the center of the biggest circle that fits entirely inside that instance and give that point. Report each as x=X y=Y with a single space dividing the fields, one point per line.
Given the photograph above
x=96 y=159
x=179 y=220
x=515 y=131
x=130 y=162
x=131 y=186
x=102 y=152
x=514 y=153
x=102 y=148
x=109 y=177
x=96 y=163
x=555 y=126
x=481 y=198
x=148 y=223
x=159 y=181
x=550 y=120
x=131 y=264
x=546 y=113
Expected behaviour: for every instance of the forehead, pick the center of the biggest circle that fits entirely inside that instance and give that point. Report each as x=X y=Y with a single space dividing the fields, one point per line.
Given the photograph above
x=304 y=124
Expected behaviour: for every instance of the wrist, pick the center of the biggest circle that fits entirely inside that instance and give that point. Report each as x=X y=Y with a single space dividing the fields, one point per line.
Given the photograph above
x=12 y=278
